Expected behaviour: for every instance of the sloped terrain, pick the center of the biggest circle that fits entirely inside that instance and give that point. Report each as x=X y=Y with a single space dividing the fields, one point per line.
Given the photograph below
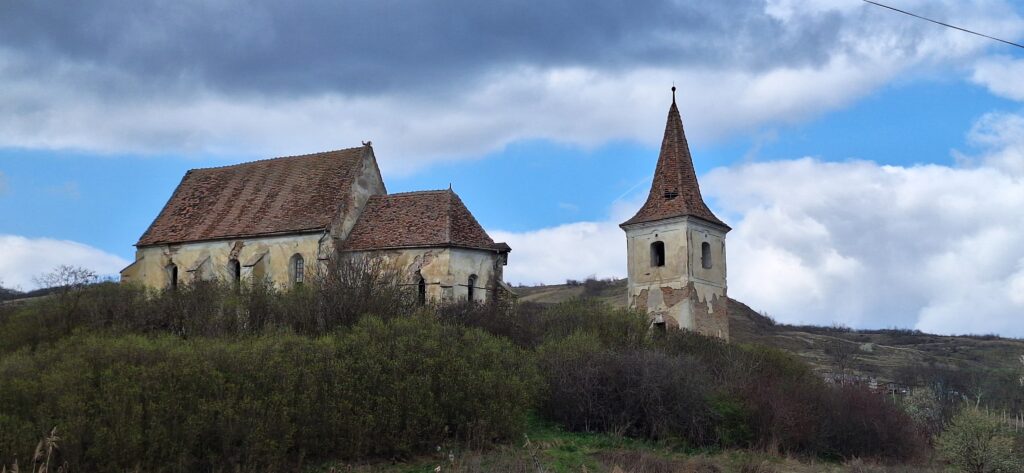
x=886 y=354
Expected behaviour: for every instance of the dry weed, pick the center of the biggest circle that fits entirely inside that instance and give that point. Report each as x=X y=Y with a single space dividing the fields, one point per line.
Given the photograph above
x=762 y=467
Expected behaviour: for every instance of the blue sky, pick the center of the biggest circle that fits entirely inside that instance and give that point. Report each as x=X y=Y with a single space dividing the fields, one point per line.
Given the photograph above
x=827 y=133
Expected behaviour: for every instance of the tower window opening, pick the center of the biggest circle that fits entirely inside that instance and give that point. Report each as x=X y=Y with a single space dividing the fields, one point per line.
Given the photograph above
x=658 y=253
x=705 y=255
x=671 y=194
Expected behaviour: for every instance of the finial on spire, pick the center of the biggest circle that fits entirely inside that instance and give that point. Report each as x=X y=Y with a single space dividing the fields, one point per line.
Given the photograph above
x=673 y=91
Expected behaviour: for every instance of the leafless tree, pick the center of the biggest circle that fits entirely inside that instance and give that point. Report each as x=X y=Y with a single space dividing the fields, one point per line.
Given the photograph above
x=66 y=278
x=67 y=282
x=1022 y=370
x=842 y=353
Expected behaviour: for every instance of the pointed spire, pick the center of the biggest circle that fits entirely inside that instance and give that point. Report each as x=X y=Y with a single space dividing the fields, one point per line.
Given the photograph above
x=674 y=189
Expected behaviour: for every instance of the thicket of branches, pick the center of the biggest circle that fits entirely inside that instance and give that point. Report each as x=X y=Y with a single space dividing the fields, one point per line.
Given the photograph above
x=213 y=376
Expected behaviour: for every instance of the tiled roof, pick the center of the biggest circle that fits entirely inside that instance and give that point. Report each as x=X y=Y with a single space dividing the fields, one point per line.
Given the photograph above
x=674 y=190
x=281 y=195
x=418 y=219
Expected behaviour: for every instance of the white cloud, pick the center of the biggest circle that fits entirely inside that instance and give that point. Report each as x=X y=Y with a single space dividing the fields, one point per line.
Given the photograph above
x=70 y=105
x=1001 y=75
x=22 y=259
x=931 y=247
x=1001 y=136
x=570 y=251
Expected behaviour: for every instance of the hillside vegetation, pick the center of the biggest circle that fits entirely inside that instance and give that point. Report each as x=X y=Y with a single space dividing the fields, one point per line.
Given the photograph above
x=350 y=372
x=977 y=365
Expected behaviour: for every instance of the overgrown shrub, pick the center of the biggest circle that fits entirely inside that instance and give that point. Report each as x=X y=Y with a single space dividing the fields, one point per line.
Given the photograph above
x=348 y=366
x=385 y=387
x=861 y=423
x=333 y=299
x=636 y=392
x=978 y=442
x=530 y=325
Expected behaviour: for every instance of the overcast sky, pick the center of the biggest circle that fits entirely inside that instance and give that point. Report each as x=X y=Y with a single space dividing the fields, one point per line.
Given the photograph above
x=870 y=164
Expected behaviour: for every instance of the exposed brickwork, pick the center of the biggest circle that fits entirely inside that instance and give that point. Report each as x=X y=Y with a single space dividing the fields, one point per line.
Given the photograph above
x=418 y=219
x=273 y=196
x=714 y=323
x=673 y=296
x=640 y=301
x=674 y=191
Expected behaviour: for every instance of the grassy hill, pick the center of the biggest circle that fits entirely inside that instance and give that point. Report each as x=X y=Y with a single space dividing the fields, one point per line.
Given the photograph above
x=889 y=355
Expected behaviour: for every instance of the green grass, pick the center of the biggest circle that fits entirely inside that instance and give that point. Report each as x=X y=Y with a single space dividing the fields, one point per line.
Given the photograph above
x=559 y=451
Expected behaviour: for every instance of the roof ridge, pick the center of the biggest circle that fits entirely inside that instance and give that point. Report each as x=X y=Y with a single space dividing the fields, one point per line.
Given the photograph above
x=401 y=194
x=278 y=158
x=451 y=219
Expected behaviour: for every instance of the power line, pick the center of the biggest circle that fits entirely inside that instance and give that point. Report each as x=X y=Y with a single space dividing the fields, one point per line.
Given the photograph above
x=945 y=24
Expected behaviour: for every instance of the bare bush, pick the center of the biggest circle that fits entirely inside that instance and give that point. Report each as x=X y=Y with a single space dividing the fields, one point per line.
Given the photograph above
x=350 y=287
x=842 y=353
x=635 y=392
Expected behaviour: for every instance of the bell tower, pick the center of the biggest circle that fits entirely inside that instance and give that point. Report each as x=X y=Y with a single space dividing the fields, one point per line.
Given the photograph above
x=676 y=245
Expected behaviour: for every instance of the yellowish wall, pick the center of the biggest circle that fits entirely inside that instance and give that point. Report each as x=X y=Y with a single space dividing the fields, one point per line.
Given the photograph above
x=445 y=270
x=682 y=293
x=266 y=258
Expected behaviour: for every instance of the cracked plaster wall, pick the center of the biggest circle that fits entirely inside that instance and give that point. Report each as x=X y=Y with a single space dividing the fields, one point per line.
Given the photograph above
x=268 y=258
x=682 y=293
x=446 y=271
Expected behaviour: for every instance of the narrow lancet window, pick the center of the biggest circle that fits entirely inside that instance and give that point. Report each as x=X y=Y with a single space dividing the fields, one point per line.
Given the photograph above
x=422 y=291
x=470 y=288
x=172 y=275
x=236 y=271
x=705 y=255
x=658 y=253
x=298 y=269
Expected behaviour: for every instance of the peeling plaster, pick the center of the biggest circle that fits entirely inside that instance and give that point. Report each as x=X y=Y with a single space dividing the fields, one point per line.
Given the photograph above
x=682 y=292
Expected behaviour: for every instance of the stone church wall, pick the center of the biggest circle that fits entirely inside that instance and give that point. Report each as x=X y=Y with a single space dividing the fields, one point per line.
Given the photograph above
x=446 y=271
x=269 y=258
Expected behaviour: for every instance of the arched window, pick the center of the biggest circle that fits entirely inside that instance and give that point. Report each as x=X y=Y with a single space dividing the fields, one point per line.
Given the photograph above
x=470 y=288
x=172 y=275
x=705 y=255
x=236 y=271
x=421 y=293
x=658 y=253
x=298 y=269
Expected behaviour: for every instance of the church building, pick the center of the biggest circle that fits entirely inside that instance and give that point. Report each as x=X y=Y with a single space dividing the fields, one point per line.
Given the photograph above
x=280 y=220
x=676 y=246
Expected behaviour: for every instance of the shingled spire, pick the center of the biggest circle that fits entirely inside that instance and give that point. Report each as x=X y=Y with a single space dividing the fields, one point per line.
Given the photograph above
x=674 y=191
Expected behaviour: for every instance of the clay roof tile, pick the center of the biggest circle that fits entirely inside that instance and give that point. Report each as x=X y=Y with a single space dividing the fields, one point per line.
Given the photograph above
x=417 y=219
x=272 y=196
x=674 y=190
